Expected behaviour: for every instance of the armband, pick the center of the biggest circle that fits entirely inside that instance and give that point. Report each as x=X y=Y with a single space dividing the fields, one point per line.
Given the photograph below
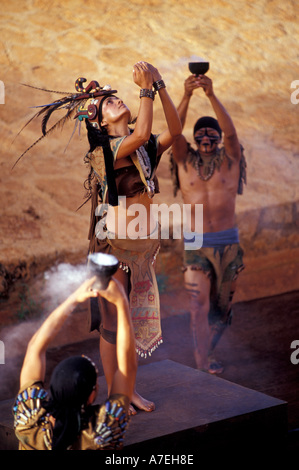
x=144 y=92
x=159 y=84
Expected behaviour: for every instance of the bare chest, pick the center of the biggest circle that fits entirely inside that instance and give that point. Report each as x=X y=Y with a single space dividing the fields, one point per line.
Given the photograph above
x=193 y=181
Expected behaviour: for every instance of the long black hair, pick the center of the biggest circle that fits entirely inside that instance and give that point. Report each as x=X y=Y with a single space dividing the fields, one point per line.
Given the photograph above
x=71 y=384
x=100 y=138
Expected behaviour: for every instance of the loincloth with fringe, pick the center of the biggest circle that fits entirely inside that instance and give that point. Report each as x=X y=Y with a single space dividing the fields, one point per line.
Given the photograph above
x=137 y=257
x=220 y=256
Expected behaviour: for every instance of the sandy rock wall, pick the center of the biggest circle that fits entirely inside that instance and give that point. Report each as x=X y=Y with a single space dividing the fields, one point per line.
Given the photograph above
x=252 y=48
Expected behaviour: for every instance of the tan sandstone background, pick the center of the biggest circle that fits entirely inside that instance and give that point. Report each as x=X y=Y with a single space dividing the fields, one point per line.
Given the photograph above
x=252 y=48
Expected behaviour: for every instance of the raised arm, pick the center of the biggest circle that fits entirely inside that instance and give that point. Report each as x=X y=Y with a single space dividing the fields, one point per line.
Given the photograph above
x=34 y=365
x=142 y=76
x=190 y=84
x=179 y=146
x=230 y=140
x=125 y=375
x=174 y=127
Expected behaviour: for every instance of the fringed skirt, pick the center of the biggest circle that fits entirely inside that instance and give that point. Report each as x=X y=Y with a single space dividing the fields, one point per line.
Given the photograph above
x=137 y=258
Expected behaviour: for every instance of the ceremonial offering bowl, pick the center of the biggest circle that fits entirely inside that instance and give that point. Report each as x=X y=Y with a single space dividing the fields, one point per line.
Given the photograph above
x=199 y=68
x=103 y=266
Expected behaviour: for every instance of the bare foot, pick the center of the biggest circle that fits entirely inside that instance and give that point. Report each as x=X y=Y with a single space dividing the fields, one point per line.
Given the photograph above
x=202 y=363
x=215 y=367
x=132 y=410
x=141 y=403
x=212 y=366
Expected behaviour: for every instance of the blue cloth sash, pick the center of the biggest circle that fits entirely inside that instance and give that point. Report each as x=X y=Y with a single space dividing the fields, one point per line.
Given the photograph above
x=195 y=241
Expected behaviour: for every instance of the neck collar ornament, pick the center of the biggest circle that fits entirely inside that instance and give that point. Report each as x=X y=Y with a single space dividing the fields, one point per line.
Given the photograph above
x=205 y=165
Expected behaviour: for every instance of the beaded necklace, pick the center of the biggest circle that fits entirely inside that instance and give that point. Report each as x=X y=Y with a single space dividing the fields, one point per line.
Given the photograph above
x=144 y=161
x=205 y=166
x=145 y=164
x=208 y=168
x=194 y=159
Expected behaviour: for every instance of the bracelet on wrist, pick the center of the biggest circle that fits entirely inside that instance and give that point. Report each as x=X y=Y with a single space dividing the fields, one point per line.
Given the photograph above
x=159 y=84
x=146 y=93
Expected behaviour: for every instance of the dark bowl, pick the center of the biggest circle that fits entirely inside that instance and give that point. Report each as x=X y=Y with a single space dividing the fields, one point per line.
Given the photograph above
x=103 y=266
x=199 y=68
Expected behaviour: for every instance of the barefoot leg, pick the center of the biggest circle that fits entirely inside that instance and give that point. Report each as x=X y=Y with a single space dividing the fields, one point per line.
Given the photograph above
x=108 y=353
x=141 y=403
x=198 y=287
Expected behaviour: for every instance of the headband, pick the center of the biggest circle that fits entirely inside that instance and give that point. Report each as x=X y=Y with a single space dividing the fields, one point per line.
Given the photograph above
x=207 y=121
x=89 y=109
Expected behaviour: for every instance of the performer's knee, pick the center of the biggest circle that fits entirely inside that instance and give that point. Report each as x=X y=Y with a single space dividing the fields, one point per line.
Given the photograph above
x=197 y=285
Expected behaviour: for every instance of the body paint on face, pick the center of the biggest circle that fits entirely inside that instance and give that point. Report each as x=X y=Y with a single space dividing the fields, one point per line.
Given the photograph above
x=213 y=138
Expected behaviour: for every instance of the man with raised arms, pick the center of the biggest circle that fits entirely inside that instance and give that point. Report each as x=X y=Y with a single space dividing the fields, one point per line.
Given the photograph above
x=213 y=176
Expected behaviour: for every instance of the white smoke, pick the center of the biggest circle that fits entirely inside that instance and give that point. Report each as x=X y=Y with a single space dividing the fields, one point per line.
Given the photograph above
x=62 y=280
x=58 y=283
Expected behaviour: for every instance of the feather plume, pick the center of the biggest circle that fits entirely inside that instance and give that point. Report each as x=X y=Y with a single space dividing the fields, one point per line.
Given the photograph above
x=70 y=96
x=48 y=114
x=71 y=111
x=71 y=102
x=50 y=91
x=36 y=115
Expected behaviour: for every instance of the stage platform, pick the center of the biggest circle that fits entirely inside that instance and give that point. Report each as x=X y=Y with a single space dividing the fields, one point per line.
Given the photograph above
x=195 y=412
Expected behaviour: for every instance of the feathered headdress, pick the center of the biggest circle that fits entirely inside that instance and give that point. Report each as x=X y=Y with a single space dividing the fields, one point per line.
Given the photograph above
x=80 y=105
